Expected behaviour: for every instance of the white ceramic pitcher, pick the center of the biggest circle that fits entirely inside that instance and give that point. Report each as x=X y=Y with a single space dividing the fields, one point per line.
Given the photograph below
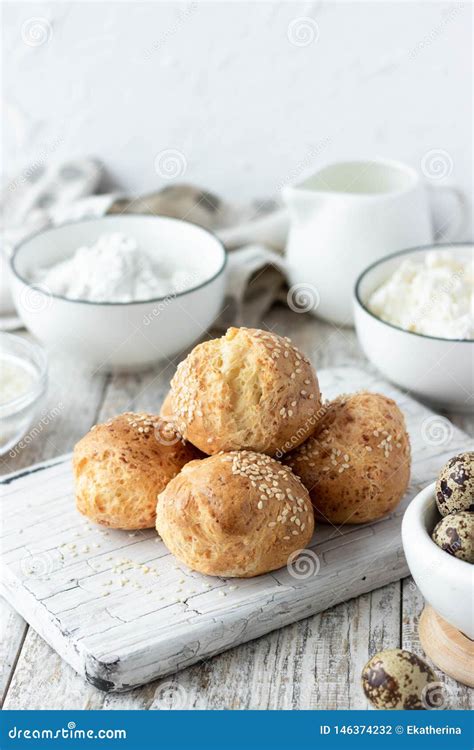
x=345 y=217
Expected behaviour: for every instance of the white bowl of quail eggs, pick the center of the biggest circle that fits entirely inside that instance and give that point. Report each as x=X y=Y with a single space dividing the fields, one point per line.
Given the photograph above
x=438 y=540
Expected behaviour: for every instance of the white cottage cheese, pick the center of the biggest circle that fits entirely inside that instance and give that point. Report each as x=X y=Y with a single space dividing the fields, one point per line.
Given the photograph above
x=114 y=269
x=433 y=296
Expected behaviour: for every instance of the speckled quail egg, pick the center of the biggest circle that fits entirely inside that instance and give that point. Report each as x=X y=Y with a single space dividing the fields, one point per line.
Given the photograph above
x=455 y=485
x=397 y=679
x=455 y=534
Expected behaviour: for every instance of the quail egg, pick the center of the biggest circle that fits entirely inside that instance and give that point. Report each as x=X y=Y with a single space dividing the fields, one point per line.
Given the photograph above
x=397 y=679
x=455 y=534
x=455 y=485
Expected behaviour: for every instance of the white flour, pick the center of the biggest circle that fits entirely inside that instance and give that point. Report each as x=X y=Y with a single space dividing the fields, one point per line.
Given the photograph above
x=114 y=269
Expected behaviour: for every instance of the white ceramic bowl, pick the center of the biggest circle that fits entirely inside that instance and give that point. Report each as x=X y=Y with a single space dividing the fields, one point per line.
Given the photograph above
x=130 y=335
x=17 y=414
x=445 y=581
x=440 y=371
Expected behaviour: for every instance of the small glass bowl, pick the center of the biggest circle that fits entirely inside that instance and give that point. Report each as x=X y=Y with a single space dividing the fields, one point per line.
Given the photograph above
x=17 y=414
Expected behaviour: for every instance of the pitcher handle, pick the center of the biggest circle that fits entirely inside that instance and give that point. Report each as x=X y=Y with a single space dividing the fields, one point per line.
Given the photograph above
x=454 y=228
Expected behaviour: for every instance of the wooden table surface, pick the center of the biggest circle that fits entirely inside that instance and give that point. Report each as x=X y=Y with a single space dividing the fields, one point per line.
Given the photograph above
x=313 y=664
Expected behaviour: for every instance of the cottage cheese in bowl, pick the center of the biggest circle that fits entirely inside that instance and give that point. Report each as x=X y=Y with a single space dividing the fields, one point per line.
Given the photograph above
x=433 y=295
x=414 y=321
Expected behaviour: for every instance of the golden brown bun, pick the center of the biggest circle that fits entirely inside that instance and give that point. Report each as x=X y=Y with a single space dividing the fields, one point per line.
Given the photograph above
x=249 y=389
x=167 y=407
x=356 y=466
x=121 y=466
x=235 y=514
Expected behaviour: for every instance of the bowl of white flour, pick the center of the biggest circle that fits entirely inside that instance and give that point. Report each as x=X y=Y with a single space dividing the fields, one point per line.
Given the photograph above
x=414 y=316
x=119 y=292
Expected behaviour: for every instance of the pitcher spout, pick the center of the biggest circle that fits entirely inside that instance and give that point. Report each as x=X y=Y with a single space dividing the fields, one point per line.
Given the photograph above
x=302 y=203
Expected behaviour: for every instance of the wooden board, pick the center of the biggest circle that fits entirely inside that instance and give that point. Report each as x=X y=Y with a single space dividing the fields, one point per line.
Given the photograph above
x=122 y=611
x=448 y=648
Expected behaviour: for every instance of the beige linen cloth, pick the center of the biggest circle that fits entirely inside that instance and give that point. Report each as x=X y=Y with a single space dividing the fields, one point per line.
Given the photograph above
x=56 y=194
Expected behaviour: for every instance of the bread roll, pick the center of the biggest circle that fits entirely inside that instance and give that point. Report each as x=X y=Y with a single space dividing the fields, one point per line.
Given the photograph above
x=235 y=514
x=121 y=466
x=356 y=466
x=167 y=407
x=249 y=389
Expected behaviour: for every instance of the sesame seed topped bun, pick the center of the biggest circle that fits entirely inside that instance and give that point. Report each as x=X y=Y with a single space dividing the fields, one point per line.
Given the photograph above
x=121 y=466
x=250 y=390
x=166 y=409
x=356 y=465
x=236 y=514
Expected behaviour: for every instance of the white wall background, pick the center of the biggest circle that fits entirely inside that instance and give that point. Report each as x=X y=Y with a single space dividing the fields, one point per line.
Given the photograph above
x=251 y=95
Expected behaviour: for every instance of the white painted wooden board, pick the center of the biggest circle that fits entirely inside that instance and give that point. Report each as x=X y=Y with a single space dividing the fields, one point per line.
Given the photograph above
x=122 y=611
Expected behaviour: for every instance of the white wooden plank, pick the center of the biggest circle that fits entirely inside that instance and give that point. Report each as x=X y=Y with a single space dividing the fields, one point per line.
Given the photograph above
x=43 y=680
x=67 y=412
x=12 y=632
x=138 y=626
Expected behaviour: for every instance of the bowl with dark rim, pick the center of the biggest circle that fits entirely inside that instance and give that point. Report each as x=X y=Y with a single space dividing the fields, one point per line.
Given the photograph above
x=122 y=335
x=444 y=580
x=437 y=370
